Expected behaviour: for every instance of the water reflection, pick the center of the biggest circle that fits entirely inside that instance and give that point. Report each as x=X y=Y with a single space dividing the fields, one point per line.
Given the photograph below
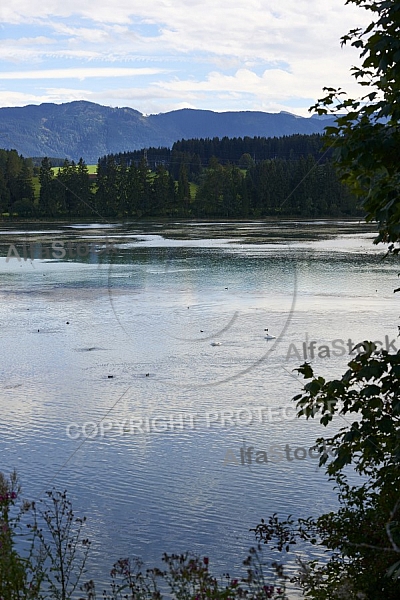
x=126 y=335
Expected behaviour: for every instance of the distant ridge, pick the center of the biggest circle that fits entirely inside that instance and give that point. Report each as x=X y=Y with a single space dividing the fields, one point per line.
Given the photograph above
x=84 y=129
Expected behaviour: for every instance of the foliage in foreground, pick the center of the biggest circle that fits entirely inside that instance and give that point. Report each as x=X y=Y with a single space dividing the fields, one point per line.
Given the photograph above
x=361 y=539
x=43 y=556
x=42 y=549
x=366 y=138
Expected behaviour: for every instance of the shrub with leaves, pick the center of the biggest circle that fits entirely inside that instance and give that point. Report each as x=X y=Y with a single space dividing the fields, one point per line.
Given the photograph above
x=63 y=548
x=187 y=577
x=54 y=566
x=18 y=577
x=362 y=538
x=366 y=137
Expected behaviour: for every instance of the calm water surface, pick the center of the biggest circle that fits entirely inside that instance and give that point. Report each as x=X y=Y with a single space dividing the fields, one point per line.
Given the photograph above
x=111 y=387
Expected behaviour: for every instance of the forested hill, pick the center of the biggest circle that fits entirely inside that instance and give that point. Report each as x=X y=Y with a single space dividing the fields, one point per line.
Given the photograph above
x=83 y=129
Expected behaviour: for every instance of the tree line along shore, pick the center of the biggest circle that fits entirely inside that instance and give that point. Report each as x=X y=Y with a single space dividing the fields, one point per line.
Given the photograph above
x=291 y=176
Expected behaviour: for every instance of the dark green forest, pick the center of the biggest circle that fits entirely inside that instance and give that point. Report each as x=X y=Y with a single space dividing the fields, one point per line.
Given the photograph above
x=219 y=178
x=17 y=193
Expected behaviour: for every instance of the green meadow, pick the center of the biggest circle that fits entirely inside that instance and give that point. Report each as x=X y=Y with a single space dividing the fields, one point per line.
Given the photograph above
x=91 y=169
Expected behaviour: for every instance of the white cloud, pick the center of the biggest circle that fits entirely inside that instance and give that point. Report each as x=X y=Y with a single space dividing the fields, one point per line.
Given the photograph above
x=210 y=25
x=12 y=99
x=243 y=55
x=82 y=73
x=273 y=86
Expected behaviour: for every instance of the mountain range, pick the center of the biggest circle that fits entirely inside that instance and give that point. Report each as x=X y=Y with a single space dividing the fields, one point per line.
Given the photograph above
x=84 y=129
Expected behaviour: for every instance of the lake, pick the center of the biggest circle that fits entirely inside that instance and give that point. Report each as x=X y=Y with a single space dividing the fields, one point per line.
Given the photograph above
x=136 y=373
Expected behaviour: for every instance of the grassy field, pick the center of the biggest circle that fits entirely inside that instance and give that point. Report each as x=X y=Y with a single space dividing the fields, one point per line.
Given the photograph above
x=36 y=186
x=193 y=189
x=91 y=168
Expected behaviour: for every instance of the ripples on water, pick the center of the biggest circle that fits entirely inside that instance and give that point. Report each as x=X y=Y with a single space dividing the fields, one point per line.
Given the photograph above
x=126 y=336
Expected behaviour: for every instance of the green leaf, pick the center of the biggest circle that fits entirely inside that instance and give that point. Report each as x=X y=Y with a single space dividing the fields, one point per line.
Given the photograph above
x=371 y=390
x=386 y=425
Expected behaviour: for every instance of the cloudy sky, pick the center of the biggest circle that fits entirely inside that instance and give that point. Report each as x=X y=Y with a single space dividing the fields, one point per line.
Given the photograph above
x=160 y=55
